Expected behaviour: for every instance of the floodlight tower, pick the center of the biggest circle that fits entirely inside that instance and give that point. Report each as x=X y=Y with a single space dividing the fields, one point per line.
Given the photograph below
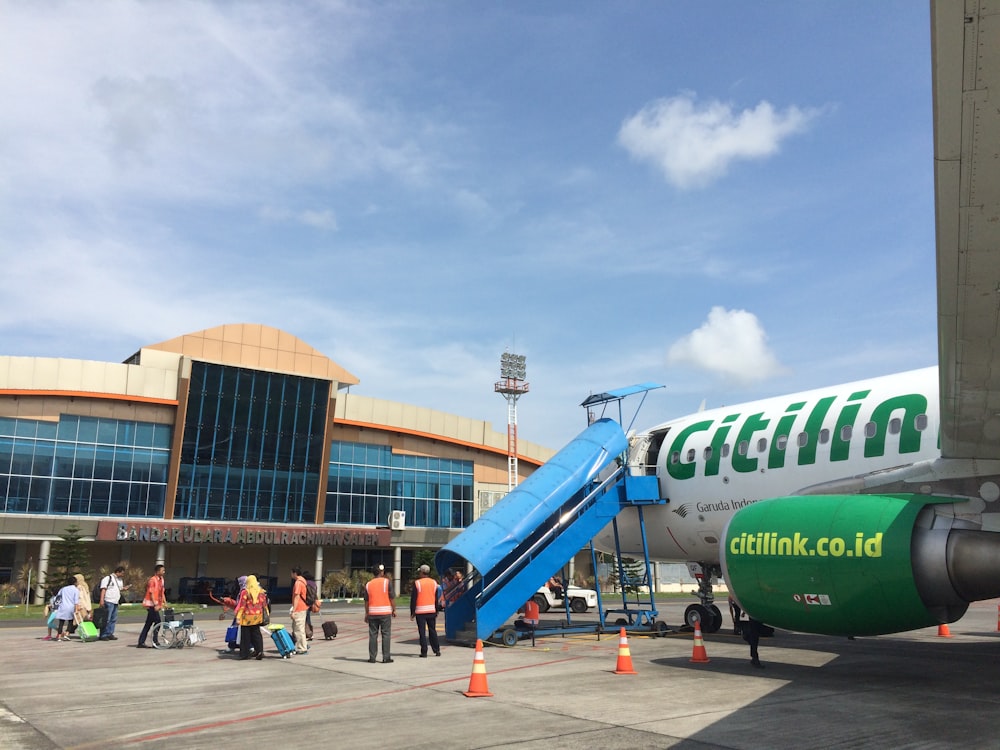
x=511 y=385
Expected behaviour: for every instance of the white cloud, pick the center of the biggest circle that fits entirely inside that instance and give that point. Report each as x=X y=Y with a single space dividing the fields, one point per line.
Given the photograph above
x=731 y=343
x=324 y=219
x=694 y=143
x=189 y=102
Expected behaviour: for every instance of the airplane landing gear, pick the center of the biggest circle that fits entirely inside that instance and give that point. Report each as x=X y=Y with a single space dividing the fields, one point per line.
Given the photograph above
x=710 y=617
x=706 y=612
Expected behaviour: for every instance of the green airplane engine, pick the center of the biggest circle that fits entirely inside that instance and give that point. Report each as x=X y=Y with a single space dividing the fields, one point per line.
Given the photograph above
x=857 y=564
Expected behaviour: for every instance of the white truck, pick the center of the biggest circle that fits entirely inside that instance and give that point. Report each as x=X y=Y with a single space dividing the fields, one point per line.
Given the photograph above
x=580 y=600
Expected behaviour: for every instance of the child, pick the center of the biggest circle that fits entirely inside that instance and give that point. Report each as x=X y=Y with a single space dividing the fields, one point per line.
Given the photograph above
x=50 y=621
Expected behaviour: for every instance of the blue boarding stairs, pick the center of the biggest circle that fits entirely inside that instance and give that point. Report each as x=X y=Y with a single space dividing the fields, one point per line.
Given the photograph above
x=539 y=526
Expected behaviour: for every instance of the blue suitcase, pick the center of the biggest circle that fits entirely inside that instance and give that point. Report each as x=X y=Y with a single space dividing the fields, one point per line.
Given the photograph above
x=284 y=642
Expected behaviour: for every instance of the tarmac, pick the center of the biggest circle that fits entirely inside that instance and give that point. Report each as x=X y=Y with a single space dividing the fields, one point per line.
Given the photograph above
x=913 y=690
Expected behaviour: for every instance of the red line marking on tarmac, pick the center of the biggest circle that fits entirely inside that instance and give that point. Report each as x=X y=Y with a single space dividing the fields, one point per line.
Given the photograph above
x=322 y=704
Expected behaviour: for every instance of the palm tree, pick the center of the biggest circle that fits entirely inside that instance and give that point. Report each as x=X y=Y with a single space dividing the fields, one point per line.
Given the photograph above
x=25 y=575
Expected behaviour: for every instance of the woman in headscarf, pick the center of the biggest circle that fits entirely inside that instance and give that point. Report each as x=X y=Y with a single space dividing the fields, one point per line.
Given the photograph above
x=85 y=607
x=250 y=610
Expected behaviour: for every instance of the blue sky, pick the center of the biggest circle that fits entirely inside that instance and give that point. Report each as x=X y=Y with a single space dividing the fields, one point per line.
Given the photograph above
x=734 y=200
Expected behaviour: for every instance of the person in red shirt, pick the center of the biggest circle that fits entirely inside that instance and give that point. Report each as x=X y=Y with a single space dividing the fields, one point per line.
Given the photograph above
x=154 y=601
x=299 y=610
x=250 y=610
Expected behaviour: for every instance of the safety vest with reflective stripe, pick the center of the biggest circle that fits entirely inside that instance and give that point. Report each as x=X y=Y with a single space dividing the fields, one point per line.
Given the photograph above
x=379 y=602
x=426 y=589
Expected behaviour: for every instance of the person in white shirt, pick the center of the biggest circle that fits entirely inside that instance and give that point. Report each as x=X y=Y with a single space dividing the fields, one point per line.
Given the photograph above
x=111 y=599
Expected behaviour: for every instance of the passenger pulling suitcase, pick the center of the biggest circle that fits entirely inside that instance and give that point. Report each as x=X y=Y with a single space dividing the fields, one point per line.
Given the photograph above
x=329 y=630
x=284 y=642
x=88 y=631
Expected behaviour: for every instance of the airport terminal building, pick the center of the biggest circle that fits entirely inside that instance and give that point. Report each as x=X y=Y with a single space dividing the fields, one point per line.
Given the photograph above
x=232 y=450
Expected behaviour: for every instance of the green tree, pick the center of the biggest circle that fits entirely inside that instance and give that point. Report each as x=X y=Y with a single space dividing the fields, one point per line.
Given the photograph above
x=424 y=557
x=68 y=557
x=336 y=585
x=634 y=572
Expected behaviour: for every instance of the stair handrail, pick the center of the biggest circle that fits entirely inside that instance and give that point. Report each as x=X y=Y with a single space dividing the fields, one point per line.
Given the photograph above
x=543 y=541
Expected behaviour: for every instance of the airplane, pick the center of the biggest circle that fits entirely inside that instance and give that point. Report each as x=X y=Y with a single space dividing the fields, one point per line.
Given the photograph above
x=871 y=507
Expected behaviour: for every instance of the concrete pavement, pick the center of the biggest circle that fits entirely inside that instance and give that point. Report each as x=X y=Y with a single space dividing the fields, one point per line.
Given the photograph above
x=905 y=691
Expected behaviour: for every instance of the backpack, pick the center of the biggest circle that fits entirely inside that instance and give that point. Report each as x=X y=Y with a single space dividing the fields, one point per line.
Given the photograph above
x=310 y=594
x=56 y=601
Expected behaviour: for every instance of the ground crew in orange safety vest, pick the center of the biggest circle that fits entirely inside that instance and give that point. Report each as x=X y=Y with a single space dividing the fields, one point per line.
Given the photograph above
x=423 y=608
x=380 y=608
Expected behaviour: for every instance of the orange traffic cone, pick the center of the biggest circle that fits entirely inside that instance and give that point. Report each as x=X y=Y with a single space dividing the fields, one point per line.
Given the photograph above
x=699 y=655
x=624 y=655
x=943 y=631
x=477 y=682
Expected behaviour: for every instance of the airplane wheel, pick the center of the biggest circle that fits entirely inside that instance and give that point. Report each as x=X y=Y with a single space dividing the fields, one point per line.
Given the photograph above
x=716 y=623
x=542 y=602
x=621 y=621
x=509 y=637
x=578 y=605
x=697 y=613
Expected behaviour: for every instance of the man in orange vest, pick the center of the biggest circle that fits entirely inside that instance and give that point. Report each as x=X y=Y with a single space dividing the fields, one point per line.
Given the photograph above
x=423 y=608
x=380 y=608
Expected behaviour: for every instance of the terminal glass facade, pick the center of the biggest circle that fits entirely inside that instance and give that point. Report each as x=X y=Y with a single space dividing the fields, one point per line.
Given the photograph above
x=253 y=446
x=366 y=482
x=84 y=466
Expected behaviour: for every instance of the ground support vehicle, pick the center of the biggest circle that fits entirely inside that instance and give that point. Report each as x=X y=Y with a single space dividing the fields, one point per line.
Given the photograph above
x=580 y=600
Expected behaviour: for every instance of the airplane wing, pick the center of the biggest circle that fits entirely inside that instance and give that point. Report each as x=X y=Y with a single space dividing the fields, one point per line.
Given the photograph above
x=966 y=73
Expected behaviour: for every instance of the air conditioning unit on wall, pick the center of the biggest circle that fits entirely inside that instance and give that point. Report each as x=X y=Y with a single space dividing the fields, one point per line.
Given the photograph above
x=397 y=520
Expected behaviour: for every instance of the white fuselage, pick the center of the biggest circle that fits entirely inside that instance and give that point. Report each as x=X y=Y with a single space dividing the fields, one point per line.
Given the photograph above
x=711 y=464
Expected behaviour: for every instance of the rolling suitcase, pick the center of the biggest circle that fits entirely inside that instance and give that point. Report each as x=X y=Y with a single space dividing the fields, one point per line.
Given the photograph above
x=100 y=618
x=329 y=630
x=88 y=631
x=284 y=642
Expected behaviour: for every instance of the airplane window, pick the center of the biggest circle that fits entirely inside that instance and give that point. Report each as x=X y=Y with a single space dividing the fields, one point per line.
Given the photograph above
x=690 y=455
x=824 y=435
x=845 y=433
x=708 y=453
x=725 y=450
x=675 y=457
x=762 y=445
x=921 y=422
x=781 y=442
x=870 y=429
x=895 y=425
x=802 y=440
x=743 y=447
